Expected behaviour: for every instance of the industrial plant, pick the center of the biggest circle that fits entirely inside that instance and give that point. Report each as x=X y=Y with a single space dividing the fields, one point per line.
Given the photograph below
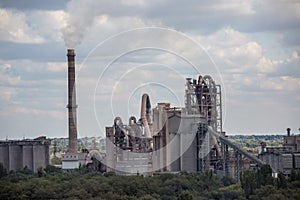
x=172 y=139
x=163 y=139
x=283 y=159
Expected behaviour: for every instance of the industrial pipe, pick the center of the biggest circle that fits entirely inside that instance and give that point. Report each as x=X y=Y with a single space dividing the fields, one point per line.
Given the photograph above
x=118 y=121
x=132 y=118
x=118 y=124
x=145 y=114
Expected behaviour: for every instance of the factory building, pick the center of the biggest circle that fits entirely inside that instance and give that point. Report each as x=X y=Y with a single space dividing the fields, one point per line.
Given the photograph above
x=163 y=139
x=283 y=159
x=18 y=154
x=172 y=139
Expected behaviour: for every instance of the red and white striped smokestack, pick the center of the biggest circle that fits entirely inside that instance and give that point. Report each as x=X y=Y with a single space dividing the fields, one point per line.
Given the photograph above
x=72 y=102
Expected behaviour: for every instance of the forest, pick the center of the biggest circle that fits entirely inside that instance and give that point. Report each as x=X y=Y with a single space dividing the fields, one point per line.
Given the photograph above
x=52 y=183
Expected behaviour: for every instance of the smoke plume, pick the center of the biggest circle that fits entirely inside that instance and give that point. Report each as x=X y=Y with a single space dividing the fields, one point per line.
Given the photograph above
x=80 y=17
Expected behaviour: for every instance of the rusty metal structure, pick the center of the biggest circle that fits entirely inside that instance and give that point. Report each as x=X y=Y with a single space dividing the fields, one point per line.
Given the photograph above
x=172 y=139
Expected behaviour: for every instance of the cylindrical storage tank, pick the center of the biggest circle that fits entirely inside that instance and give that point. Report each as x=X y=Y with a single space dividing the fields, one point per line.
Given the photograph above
x=28 y=156
x=15 y=157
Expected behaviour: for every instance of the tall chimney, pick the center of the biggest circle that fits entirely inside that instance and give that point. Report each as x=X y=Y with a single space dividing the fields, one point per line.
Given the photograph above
x=72 y=102
x=288 y=130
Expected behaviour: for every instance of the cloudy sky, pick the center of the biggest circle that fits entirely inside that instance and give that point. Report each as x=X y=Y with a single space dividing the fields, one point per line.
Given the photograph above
x=125 y=48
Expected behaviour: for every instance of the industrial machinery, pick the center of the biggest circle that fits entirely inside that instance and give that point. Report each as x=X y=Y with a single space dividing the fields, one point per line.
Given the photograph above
x=169 y=139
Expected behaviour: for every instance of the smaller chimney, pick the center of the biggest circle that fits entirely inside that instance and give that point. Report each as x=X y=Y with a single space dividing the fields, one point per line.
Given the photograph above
x=288 y=130
x=263 y=146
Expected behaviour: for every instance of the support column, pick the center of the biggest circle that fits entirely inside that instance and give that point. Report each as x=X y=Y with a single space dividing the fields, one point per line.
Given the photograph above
x=237 y=165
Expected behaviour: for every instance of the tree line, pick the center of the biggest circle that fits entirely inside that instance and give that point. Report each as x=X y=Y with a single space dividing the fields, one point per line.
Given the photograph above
x=261 y=185
x=52 y=183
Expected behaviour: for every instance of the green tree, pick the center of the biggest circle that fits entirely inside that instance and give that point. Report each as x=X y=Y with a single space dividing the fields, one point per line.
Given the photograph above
x=249 y=182
x=227 y=181
x=50 y=169
x=264 y=175
x=295 y=175
x=3 y=171
x=148 y=197
x=265 y=192
x=186 y=195
x=40 y=172
x=281 y=181
x=231 y=192
x=56 y=161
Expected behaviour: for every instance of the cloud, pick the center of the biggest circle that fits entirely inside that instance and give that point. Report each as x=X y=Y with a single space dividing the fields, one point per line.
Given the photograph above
x=48 y=23
x=6 y=75
x=34 y=4
x=57 y=67
x=8 y=83
x=234 y=7
x=254 y=44
x=14 y=28
x=283 y=83
x=289 y=66
x=7 y=93
x=59 y=115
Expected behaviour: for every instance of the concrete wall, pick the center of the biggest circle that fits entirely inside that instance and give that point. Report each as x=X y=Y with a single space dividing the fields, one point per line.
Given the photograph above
x=297 y=160
x=27 y=156
x=281 y=162
x=15 y=157
x=183 y=142
x=40 y=156
x=70 y=164
x=4 y=156
x=174 y=149
x=110 y=149
x=293 y=142
x=189 y=154
x=273 y=160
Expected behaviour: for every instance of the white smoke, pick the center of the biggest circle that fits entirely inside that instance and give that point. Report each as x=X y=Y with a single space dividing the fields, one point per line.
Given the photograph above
x=81 y=15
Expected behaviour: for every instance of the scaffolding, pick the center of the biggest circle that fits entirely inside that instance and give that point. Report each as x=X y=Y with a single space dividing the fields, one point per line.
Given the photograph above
x=203 y=97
